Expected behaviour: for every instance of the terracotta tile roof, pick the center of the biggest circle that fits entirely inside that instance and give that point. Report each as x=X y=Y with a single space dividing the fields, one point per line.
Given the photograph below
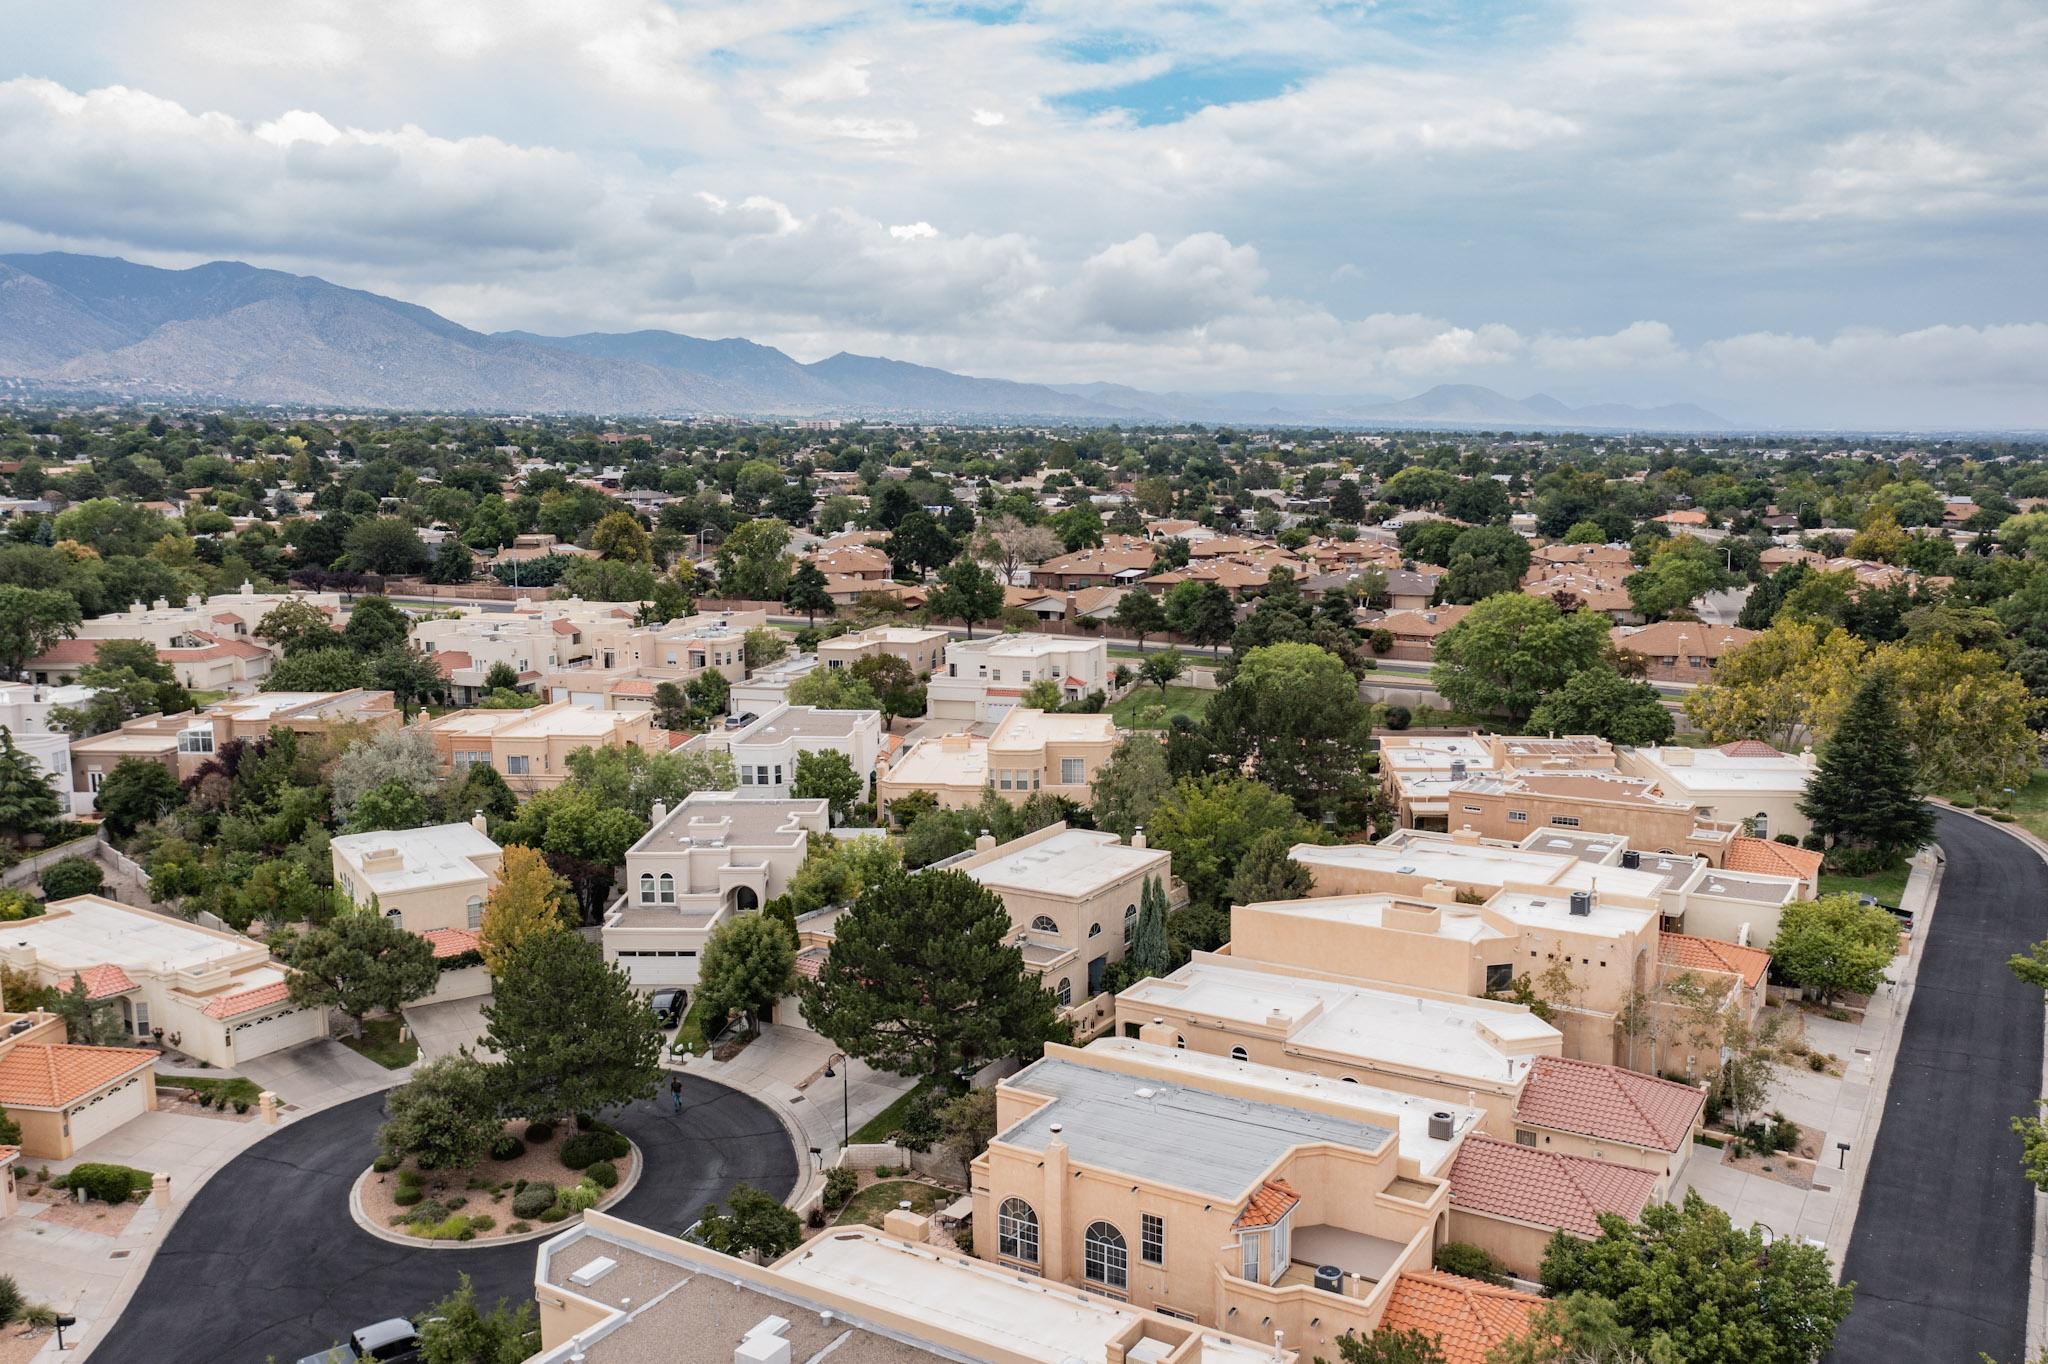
x=1750 y=748
x=448 y=660
x=634 y=686
x=1608 y=1103
x=565 y=627
x=1773 y=859
x=66 y=652
x=247 y=1001
x=810 y=962
x=1270 y=1202
x=1687 y=952
x=452 y=942
x=104 y=982
x=33 y=1075
x=8 y=1153
x=1467 y=1318
x=1545 y=1188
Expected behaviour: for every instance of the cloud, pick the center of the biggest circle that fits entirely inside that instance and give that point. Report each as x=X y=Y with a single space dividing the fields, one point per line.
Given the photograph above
x=2013 y=355
x=1640 y=346
x=1141 y=286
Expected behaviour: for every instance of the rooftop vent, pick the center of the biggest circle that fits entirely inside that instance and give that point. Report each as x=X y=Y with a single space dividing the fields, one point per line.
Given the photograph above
x=592 y=1272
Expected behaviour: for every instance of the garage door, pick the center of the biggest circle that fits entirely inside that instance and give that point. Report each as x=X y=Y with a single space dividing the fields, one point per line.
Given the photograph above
x=651 y=970
x=109 y=1111
x=261 y=1036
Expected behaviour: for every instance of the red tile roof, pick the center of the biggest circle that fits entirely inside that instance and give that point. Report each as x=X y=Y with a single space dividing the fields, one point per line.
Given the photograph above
x=104 y=982
x=810 y=962
x=66 y=652
x=9 y=1153
x=1545 y=1188
x=1270 y=1202
x=1467 y=1318
x=33 y=1075
x=448 y=660
x=1687 y=952
x=1750 y=748
x=1772 y=859
x=248 y=1001
x=565 y=627
x=452 y=942
x=1609 y=1103
x=634 y=686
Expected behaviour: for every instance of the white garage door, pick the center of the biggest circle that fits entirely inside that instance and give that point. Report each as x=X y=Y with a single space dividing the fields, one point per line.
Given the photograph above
x=107 y=1112
x=261 y=1036
x=651 y=970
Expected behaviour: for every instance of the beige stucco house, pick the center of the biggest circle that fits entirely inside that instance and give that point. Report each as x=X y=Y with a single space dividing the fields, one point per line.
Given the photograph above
x=1029 y=751
x=531 y=748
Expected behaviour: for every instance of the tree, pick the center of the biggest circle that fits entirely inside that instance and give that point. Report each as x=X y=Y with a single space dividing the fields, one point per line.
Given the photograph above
x=1162 y=668
x=620 y=537
x=1267 y=872
x=359 y=962
x=1864 y=792
x=832 y=689
x=612 y=1053
x=399 y=755
x=754 y=563
x=1511 y=651
x=1200 y=612
x=1388 y=1345
x=127 y=679
x=1009 y=544
x=919 y=544
x=1833 y=945
x=72 y=876
x=334 y=668
x=456 y=1331
x=1686 y=1284
x=968 y=593
x=1680 y=571
x=923 y=979
x=385 y=544
x=1788 y=684
x=749 y=962
x=763 y=645
x=1210 y=823
x=609 y=580
x=671 y=706
x=708 y=694
x=967 y=1124
x=294 y=626
x=1484 y=560
x=894 y=683
x=27 y=799
x=1140 y=612
x=1128 y=787
x=408 y=673
x=807 y=593
x=445 y=1116
x=755 y=1224
x=481 y=791
x=1149 y=954
x=453 y=563
x=1044 y=694
x=31 y=620
x=1601 y=701
x=136 y=792
x=88 y=1022
x=527 y=902
x=828 y=773
x=1293 y=711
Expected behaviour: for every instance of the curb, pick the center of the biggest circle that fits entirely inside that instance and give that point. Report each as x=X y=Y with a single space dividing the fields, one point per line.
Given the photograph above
x=799 y=1139
x=355 y=1210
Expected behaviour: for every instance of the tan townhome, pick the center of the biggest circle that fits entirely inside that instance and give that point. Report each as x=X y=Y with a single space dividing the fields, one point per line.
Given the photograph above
x=258 y=714
x=1028 y=752
x=1746 y=782
x=530 y=748
x=984 y=679
x=435 y=882
x=923 y=650
x=63 y=1096
x=1680 y=650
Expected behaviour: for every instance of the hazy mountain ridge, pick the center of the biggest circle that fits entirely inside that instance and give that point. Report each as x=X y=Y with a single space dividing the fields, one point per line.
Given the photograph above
x=232 y=332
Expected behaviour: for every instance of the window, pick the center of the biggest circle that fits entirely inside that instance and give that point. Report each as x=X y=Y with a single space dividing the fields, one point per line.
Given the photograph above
x=1253 y=1256
x=476 y=911
x=142 y=1018
x=761 y=774
x=746 y=776
x=1240 y=1054
x=1044 y=924
x=1180 y=1043
x=1151 y=1239
x=195 y=741
x=646 y=887
x=1524 y=1138
x=1565 y=821
x=1518 y=816
x=1104 y=1257
x=1065 y=993
x=1500 y=978
x=1474 y=810
x=1095 y=930
x=93 y=779
x=1762 y=821
x=1017 y=1231
x=1130 y=911
x=1003 y=779
x=668 y=888
x=778 y=775
x=515 y=765
x=1070 y=772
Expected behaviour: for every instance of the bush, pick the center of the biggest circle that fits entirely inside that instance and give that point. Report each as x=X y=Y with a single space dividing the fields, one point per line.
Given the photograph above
x=1789 y=840
x=539 y=1131
x=840 y=1184
x=458 y=1201
x=507 y=1147
x=586 y=1147
x=72 y=876
x=405 y=1195
x=1399 y=717
x=554 y=1214
x=106 y=1183
x=1459 y=1257
x=581 y=1198
x=433 y=1210
x=1815 y=1061
x=519 y=1228
x=241 y=1105
x=604 y=1174
x=1964 y=803
x=384 y=1165
x=408 y=1179
x=586 y=1122
x=1814 y=843
x=483 y=1221
x=533 y=1199
x=11 y=1301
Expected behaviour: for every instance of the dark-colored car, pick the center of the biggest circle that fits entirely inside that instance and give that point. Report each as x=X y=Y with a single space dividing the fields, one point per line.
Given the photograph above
x=384 y=1342
x=668 y=1005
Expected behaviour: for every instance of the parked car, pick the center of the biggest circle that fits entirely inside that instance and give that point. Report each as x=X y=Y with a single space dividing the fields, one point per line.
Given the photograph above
x=669 y=1004
x=385 y=1342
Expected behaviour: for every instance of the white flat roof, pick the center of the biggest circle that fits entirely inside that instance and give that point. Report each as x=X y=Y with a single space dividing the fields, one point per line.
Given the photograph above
x=1024 y=726
x=440 y=854
x=1076 y=862
x=264 y=705
x=932 y=762
x=1713 y=770
x=1008 y=646
x=1535 y=910
x=1483 y=864
x=1461 y=922
x=88 y=930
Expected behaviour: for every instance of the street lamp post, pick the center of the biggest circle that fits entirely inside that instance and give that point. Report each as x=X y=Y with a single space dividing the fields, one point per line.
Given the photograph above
x=845 y=1083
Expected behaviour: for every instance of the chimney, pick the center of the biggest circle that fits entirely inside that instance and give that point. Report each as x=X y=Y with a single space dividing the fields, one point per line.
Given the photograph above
x=985 y=842
x=1157 y=1033
x=476 y=822
x=658 y=813
x=766 y=1343
x=1466 y=834
x=1138 y=837
x=905 y=1225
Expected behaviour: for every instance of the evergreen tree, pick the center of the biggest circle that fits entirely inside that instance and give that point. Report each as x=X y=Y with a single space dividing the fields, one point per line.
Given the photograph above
x=88 y=1022
x=574 y=1034
x=27 y=800
x=749 y=963
x=807 y=592
x=1864 y=795
x=1267 y=872
x=1148 y=954
x=358 y=962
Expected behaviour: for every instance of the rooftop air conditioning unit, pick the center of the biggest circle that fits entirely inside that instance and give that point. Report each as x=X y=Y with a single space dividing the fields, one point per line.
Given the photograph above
x=1582 y=903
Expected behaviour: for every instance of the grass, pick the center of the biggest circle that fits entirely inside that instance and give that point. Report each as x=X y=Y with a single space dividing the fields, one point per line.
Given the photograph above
x=890 y=1119
x=202 y=699
x=1144 y=709
x=380 y=1043
x=1887 y=886
x=871 y=1204
x=2029 y=805
x=228 y=1090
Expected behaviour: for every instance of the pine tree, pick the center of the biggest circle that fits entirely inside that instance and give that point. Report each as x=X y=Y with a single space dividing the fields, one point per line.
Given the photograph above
x=27 y=800
x=1149 y=954
x=1864 y=794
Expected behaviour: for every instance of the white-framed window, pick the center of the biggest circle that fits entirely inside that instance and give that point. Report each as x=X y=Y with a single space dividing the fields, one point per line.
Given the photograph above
x=142 y=1018
x=1003 y=779
x=1017 y=1231
x=1044 y=923
x=646 y=887
x=1762 y=822
x=1518 y=816
x=515 y=765
x=668 y=888
x=475 y=909
x=1071 y=771
x=1565 y=821
x=1065 y=993
x=1254 y=1255
x=746 y=774
x=197 y=740
x=778 y=775
x=1105 y=1259
x=93 y=779
x=1152 y=1238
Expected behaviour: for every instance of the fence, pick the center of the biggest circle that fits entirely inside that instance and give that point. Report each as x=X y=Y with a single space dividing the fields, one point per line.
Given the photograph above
x=30 y=869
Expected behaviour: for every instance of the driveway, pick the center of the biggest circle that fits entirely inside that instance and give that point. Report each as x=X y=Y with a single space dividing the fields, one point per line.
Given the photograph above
x=1943 y=1245
x=446 y=1028
x=266 y=1260
x=316 y=1073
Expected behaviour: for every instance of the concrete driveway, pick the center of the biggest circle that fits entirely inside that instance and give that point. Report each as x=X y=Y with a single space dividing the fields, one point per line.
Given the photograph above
x=444 y=1029
x=315 y=1074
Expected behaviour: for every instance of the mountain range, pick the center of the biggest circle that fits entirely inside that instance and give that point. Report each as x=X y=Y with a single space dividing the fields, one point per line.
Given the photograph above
x=233 y=333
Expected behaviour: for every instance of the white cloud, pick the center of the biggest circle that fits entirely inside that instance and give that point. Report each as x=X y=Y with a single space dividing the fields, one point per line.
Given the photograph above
x=910 y=232
x=1140 y=286
x=987 y=118
x=1640 y=346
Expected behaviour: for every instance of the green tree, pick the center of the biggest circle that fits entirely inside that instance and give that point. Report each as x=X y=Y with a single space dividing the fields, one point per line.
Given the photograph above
x=27 y=799
x=1293 y=712
x=807 y=593
x=1686 y=1284
x=620 y=537
x=828 y=773
x=1833 y=945
x=1681 y=571
x=1044 y=694
x=134 y=793
x=1129 y=786
x=386 y=544
x=749 y=962
x=968 y=593
x=708 y=694
x=1139 y=612
x=933 y=835
x=1388 y=1345
x=88 y=1022
x=456 y=1331
x=408 y=673
x=895 y=684
x=919 y=544
x=358 y=962
x=762 y=646
x=2033 y=1135
x=754 y=562
x=128 y=679
x=611 y=1056
x=295 y=626
x=1200 y=613
x=1267 y=872
x=1162 y=668
x=393 y=805
x=446 y=1115
x=832 y=689
x=453 y=563
x=31 y=620
x=610 y=580
x=336 y=668
x=1511 y=651
x=72 y=876
x=1599 y=700
x=753 y=1223
x=1864 y=793
x=1210 y=823
x=923 y=979
x=1483 y=561
x=671 y=706
x=1149 y=954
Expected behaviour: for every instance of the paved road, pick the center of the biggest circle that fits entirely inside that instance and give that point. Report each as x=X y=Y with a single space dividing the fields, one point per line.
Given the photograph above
x=266 y=1261
x=1944 y=1233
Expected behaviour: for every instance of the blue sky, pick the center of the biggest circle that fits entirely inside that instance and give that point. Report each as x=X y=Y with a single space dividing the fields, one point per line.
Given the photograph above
x=1793 y=211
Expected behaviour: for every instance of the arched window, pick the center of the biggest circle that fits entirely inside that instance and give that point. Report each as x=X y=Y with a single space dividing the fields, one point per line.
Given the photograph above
x=1066 y=992
x=1350 y=1079
x=476 y=911
x=668 y=888
x=1180 y=1043
x=1763 y=823
x=1104 y=1257
x=1095 y=930
x=1240 y=1054
x=646 y=887
x=1017 y=1231
x=1130 y=911
x=1044 y=924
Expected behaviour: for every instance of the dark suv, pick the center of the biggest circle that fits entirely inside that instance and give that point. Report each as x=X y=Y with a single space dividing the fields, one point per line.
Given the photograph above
x=668 y=1005
x=385 y=1342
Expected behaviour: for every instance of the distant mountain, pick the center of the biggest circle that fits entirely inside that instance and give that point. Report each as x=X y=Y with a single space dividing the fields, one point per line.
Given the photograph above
x=230 y=332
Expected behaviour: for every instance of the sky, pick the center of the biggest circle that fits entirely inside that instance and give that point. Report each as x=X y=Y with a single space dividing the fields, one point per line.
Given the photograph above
x=1794 y=212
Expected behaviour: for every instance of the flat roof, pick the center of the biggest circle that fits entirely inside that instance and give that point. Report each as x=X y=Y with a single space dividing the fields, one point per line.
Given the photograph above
x=1436 y=1036
x=736 y=820
x=1176 y=1134
x=268 y=705
x=886 y=634
x=1023 y=726
x=1572 y=867
x=89 y=930
x=805 y=722
x=1461 y=922
x=938 y=762
x=1075 y=862
x=438 y=855
x=1712 y=770
x=1009 y=646
x=1534 y=909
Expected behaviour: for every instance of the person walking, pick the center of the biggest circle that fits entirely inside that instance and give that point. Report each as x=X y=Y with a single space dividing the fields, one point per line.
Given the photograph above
x=675 y=1092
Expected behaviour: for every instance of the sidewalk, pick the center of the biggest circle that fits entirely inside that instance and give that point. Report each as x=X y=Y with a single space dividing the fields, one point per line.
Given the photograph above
x=785 y=1068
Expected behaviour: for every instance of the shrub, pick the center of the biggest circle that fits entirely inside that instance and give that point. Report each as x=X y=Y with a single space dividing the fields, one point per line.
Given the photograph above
x=580 y=1198
x=106 y=1183
x=405 y=1195
x=539 y=1131
x=1964 y=803
x=483 y=1221
x=840 y=1184
x=554 y=1214
x=519 y=1228
x=1815 y=1061
x=1399 y=717
x=385 y=1164
x=603 y=1173
x=408 y=1179
x=241 y=1105
x=585 y=1147
x=40 y=1315
x=11 y=1301
x=507 y=1147
x=586 y=1122
x=72 y=876
x=430 y=1211
x=1459 y=1257
x=458 y=1201
x=533 y=1199
x=1789 y=840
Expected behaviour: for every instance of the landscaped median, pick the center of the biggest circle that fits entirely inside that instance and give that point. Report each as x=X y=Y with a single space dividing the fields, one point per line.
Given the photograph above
x=536 y=1177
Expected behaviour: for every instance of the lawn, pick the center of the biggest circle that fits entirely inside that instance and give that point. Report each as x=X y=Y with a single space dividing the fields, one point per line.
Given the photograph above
x=890 y=1119
x=380 y=1043
x=1887 y=885
x=1144 y=709
x=872 y=1203
x=2029 y=805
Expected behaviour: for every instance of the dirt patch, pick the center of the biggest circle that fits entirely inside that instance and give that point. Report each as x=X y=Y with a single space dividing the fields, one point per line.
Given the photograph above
x=57 y=1208
x=487 y=1188
x=19 y=1344
x=185 y=1105
x=1794 y=1167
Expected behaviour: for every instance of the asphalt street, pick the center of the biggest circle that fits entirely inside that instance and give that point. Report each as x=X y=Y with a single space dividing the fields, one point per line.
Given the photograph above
x=266 y=1262
x=1944 y=1232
